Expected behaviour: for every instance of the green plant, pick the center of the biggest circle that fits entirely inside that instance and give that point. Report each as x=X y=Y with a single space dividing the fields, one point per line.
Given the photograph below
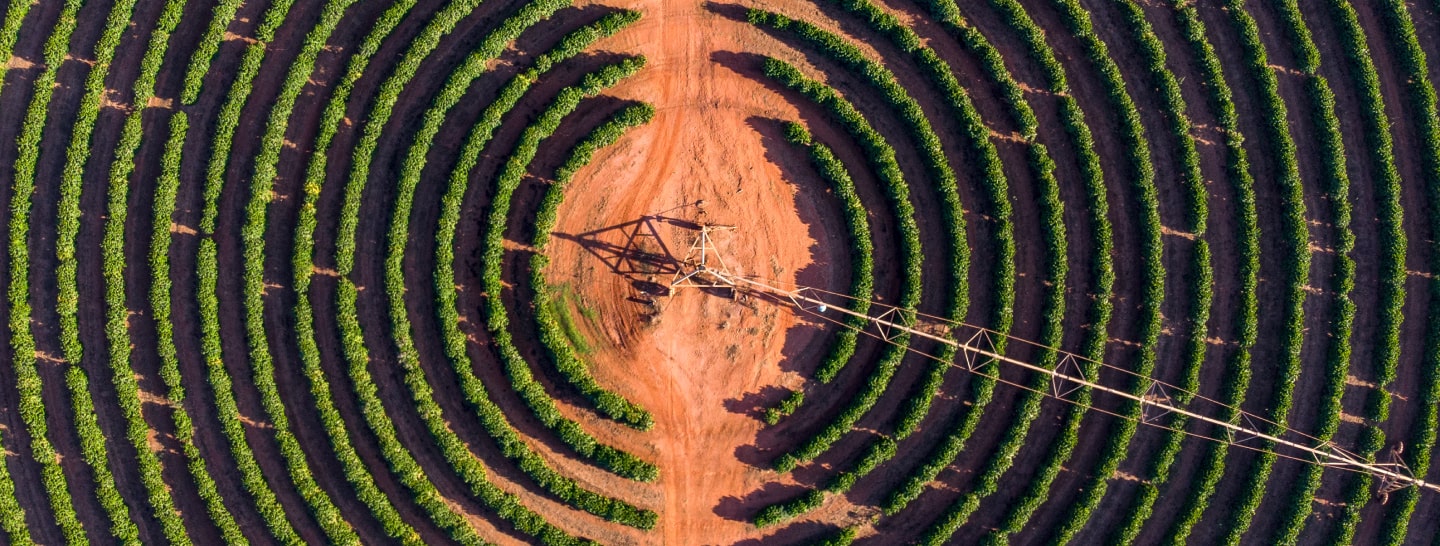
x=882 y=156
x=166 y=187
x=497 y=318
x=1237 y=167
x=455 y=88
x=207 y=271
x=208 y=46
x=27 y=377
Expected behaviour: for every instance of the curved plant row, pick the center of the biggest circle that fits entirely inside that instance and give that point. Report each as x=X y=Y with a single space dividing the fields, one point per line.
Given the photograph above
x=355 y=352
x=993 y=181
x=92 y=439
x=882 y=448
x=1043 y=169
x=207 y=298
x=862 y=248
x=113 y=268
x=22 y=342
x=957 y=293
x=947 y=12
x=1337 y=191
x=1152 y=269
x=206 y=49
x=454 y=340
x=455 y=88
x=545 y=217
x=882 y=157
x=1295 y=240
x=1152 y=279
x=252 y=237
x=1201 y=272
x=331 y=521
x=1237 y=169
x=1380 y=144
x=492 y=254
x=167 y=185
x=833 y=171
x=570 y=366
x=1420 y=99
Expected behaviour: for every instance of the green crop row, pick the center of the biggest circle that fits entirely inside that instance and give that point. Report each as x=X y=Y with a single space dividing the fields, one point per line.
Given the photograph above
x=1237 y=167
x=937 y=166
x=993 y=181
x=453 y=338
x=1201 y=277
x=113 y=252
x=844 y=346
x=207 y=270
x=252 y=237
x=1296 y=257
x=166 y=187
x=834 y=172
x=497 y=318
x=363 y=154
x=12 y=515
x=92 y=439
x=454 y=89
x=928 y=142
x=331 y=521
x=882 y=158
x=1420 y=103
x=843 y=537
x=206 y=49
x=266 y=503
x=398 y=459
x=1337 y=190
x=862 y=249
x=1043 y=168
x=455 y=341
x=551 y=334
x=1102 y=269
x=22 y=342
x=918 y=404
x=454 y=450
x=1152 y=269
x=939 y=74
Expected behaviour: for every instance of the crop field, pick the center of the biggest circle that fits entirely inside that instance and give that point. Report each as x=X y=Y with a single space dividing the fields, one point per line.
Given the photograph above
x=575 y=272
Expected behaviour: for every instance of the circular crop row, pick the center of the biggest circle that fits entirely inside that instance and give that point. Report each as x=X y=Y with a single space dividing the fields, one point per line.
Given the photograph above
x=290 y=271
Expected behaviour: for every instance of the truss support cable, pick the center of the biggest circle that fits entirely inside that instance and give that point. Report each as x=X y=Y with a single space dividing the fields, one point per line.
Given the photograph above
x=1066 y=379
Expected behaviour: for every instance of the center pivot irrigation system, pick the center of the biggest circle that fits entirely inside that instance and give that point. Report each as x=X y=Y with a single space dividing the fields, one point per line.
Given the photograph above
x=704 y=267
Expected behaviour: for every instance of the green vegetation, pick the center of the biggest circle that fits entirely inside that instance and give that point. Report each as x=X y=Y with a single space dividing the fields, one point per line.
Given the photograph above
x=882 y=157
x=1296 y=259
x=1420 y=102
x=491 y=417
x=460 y=80
x=166 y=187
x=252 y=237
x=331 y=521
x=1337 y=190
x=1237 y=169
x=209 y=45
x=22 y=342
x=1201 y=277
x=496 y=317
x=207 y=270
